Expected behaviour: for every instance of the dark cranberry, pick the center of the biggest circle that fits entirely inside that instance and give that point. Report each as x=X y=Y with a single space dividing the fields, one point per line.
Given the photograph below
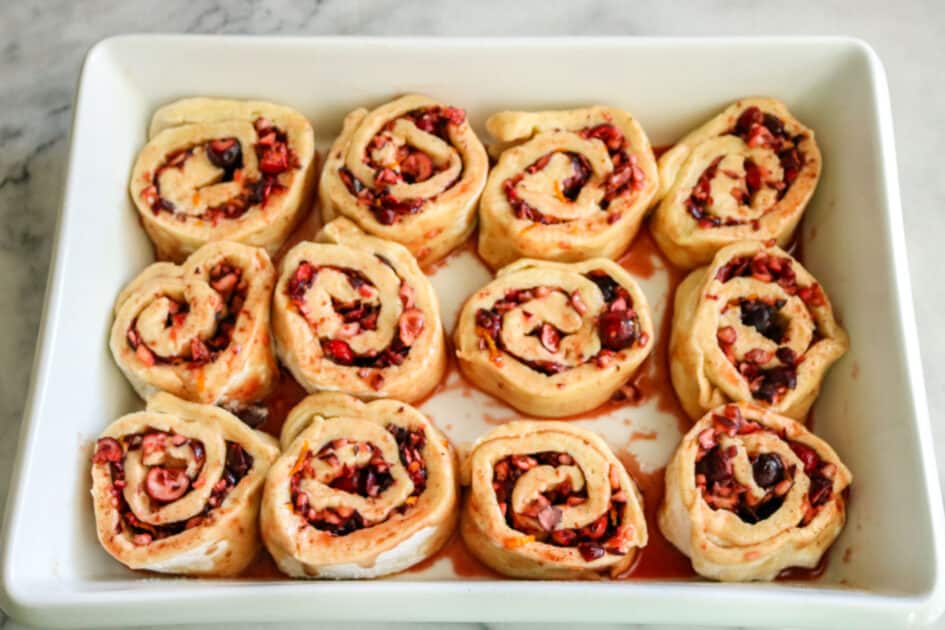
x=489 y=321
x=752 y=176
x=820 y=490
x=763 y=317
x=774 y=124
x=606 y=284
x=617 y=330
x=749 y=117
x=774 y=381
x=590 y=551
x=166 y=484
x=807 y=455
x=238 y=461
x=715 y=466
x=571 y=186
x=767 y=469
x=339 y=351
x=786 y=356
x=226 y=154
x=791 y=163
x=384 y=216
x=107 y=450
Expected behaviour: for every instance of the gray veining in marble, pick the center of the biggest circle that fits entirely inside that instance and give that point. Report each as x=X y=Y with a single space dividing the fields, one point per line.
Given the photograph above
x=42 y=45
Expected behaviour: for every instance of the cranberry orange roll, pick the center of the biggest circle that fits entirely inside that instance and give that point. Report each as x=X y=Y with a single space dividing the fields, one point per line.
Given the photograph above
x=354 y=313
x=409 y=171
x=217 y=170
x=176 y=488
x=746 y=174
x=750 y=493
x=549 y=500
x=361 y=490
x=752 y=326
x=554 y=339
x=199 y=330
x=574 y=185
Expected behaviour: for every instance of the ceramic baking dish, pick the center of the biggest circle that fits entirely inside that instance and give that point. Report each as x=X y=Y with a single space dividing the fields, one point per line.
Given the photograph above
x=885 y=570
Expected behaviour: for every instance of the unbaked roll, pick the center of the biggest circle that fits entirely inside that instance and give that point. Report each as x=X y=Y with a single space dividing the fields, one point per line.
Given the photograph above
x=409 y=171
x=216 y=169
x=354 y=313
x=752 y=326
x=361 y=490
x=549 y=500
x=746 y=174
x=750 y=493
x=554 y=339
x=176 y=488
x=573 y=185
x=199 y=330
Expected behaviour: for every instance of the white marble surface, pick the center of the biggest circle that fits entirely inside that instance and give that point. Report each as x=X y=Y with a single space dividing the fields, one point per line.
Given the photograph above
x=42 y=45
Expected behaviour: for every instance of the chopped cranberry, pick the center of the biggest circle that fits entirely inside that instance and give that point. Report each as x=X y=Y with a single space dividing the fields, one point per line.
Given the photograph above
x=727 y=335
x=590 y=551
x=410 y=326
x=752 y=177
x=199 y=353
x=339 y=351
x=107 y=450
x=750 y=117
x=807 y=455
x=489 y=321
x=607 y=285
x=763 y=317
x=550 y=337
x=417 y=167
x=166 y=484
x=301 y=280
x=820 y=490
x=617 y=329
x=237 y=459
x=786 y=356
x=608 y=134
x=774 y=382
x=275 y=159
x=715 y=466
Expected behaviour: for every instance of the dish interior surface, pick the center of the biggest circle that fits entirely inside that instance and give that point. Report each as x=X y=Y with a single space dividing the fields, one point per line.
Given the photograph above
x=884 y=568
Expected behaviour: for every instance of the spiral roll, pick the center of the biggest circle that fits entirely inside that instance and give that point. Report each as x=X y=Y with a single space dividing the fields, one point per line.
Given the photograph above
x=176 y=488
x=361 y=490
x=199 y=330
x=409 y=171
x=752 y=326
x=570 y=185
x=554 y=339
x=548 y=500
x=750 y=493
x=216 y=170
x=354 y=313
x=746 y=174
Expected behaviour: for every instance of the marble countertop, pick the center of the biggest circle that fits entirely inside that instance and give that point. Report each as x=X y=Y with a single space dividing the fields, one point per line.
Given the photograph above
x=42 y=44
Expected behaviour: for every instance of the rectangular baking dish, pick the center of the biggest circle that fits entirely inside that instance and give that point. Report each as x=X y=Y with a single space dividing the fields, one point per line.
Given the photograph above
x=887 y=568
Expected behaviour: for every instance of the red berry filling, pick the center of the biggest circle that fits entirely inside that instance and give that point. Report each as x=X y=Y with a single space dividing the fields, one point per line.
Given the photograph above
x=540 y=518
x=368 y=480
x=166 y=483
x=721 y=491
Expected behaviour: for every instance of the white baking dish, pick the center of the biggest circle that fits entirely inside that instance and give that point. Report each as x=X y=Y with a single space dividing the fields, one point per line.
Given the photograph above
x=872 y=408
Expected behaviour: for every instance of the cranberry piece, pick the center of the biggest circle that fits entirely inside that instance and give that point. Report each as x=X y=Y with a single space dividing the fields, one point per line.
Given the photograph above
x=417 y=167
x=807 y=455
x=773 y=123
x=199 y=353
x=489 y=321
x=238 y=461
x=767 y=469
x=166 y=484
x=617 y=330
x=820 y=490
x=750 y=117
x=607 y=285
x=752 y=177
x=774 y=381
x=727 y=335
x=564 y=537
x=410 y=326
x=339 y=351
x=608 y=134
x=384 y=216
x=301 y=280
x=453 y=115
x=550 y=337
x=549 y=517
x=590 y=551
x=107 y=450
x=763 y=317
x=786 y=356
x=715 y=466
x=275 y=159
x=791 y=163
x=226 y=154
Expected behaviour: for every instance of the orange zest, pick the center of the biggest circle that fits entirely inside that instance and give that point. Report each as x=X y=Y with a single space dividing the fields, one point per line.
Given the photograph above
x=520 y=541
x=410 y=500
x=494 y=354
x=297 y=466
x=559 y=194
